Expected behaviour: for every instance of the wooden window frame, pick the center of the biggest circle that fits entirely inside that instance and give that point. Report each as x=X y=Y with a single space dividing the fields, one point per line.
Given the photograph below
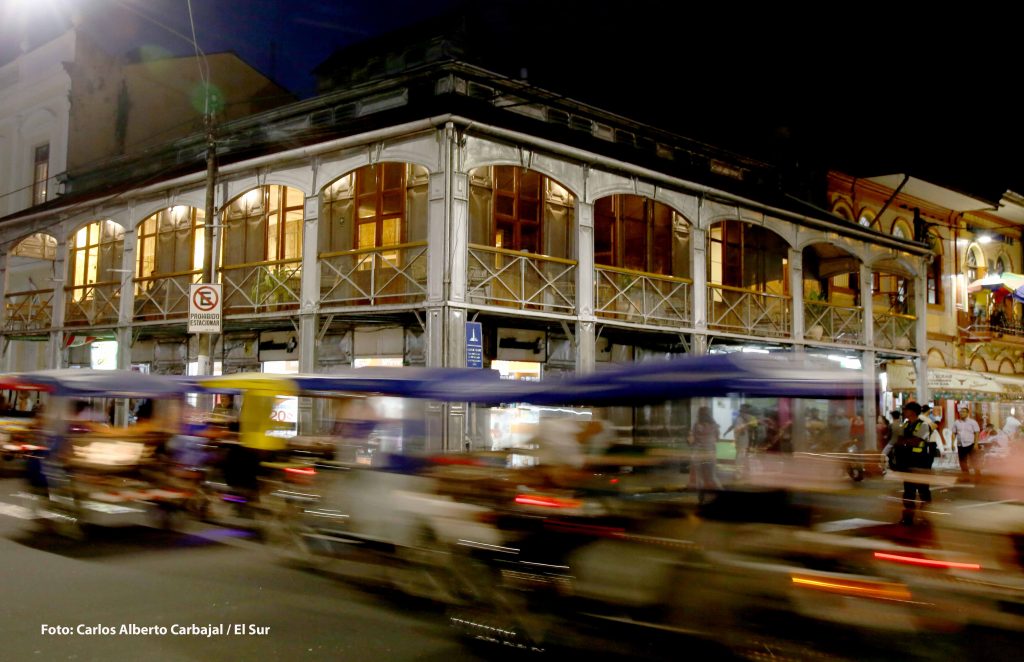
x=377 y=196
x=519 y=199
x=40 y=173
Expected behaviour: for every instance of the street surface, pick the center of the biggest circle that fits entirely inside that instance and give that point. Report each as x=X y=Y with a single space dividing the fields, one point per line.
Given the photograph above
x=210 y=593
x=216 y=577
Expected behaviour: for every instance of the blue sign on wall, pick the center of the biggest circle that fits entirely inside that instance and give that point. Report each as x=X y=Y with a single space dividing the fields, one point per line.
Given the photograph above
x=474 y=345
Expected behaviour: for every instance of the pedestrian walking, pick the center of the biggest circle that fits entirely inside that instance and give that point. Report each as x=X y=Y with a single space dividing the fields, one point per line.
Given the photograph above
x=966 y=432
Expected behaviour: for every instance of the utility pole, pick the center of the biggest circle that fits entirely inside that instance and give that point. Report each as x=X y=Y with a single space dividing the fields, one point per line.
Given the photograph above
x=206 y=339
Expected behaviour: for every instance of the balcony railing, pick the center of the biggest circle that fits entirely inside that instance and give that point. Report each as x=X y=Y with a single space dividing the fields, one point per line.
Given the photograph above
x=93 y=304
x=371 y=276
x=527 y=281
x=829 y=322
x=164 y=296
x=261 y=287
x=738 y=310
x=28 y=311
x=641 y=297
x=896 y=331
x=985 y=331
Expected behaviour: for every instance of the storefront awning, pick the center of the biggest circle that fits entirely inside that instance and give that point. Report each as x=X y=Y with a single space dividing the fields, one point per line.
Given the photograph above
x=1013 y=387
x=948 y=383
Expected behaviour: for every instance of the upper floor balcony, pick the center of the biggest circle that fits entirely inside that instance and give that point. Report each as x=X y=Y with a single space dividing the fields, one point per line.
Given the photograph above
x=522 y=280
x=261 y=287
x=374 y=276
x=642 y=298
x=28 y=311
x=92 y=304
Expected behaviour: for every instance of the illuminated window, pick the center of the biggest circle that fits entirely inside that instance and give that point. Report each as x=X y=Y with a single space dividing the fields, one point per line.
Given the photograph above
x=633 y=232
x=517 y=209
x=264 y=225
x=971 y=266
x=96 y=250
x=40 y=246
x=521 y=210
x=935 y=273
x=747 y=256
x=901 y=229
x=380 y=210
x=170 y=241
x=40 y=173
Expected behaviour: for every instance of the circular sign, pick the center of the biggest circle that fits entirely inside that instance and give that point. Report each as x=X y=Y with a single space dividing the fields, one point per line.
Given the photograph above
x=205 y=298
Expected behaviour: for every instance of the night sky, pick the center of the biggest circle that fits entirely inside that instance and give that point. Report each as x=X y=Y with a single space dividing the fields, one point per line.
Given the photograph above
x=871 y=90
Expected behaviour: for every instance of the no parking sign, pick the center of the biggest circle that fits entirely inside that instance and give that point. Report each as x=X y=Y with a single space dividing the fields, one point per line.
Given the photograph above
x=204 y=308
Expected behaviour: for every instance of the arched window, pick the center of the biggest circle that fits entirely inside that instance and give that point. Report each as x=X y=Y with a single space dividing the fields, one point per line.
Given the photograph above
x=521 y=210
x=748 y=256
x=866 y=218
x=633 y=232
x=974 y=265
x=842 y=210
x=1003 y=263
x=264 y=225
x=170 y=241
x=39 y=246
x=901 y=229
x=95 y=252
x=935 y=270
x=378 y=205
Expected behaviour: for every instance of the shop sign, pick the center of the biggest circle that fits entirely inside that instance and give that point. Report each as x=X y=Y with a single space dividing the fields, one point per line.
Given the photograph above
x=474 y=345
x=945 y=383
x=522 y=345
x=278 y=346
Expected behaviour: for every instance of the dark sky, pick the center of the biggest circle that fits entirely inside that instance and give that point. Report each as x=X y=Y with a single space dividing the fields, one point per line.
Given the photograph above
x=870 y=89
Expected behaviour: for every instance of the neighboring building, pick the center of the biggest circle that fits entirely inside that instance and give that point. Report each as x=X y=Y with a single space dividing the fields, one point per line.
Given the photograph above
x=370 y=224
x=975 y=337
x=35 y=90
x=68 y=109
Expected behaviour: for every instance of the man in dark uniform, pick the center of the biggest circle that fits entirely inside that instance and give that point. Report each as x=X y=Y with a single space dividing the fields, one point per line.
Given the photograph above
x=913 y=451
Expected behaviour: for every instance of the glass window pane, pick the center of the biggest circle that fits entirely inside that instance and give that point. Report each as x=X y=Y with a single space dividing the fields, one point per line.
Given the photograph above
x=198 y=247
x=390 y=234
x=91 y=266
x=341 y=188
x=367 y=206
x=367 y=235
x=529 y=210
x=275 y=198
x=366 y=180
x=504 y=205
x=529 y=238
x=634 y=245
x=79 y=268
x=529 y=184
x=294 y=197
x=394 y=174
x=293 y=235
x=393 y=203
x=504 y=178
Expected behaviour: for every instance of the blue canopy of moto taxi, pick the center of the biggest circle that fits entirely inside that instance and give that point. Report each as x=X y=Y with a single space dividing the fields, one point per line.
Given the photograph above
x=400 y=382
x=101 y=383
x=778 y=375
x=754 y=375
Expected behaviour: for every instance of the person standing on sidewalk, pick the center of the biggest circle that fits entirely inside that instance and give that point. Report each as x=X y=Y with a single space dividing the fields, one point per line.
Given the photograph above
x=704 y=447
x=914 y=451
x=745 y=433
x=965 y=435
